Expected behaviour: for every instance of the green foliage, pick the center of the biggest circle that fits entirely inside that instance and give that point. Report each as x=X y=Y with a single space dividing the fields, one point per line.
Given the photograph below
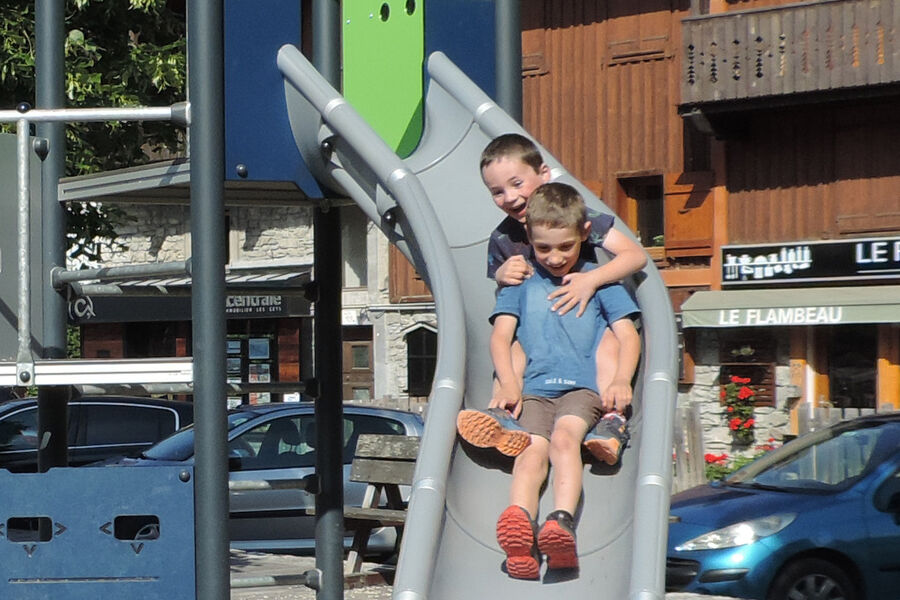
x=117 y=53
x=73 y=341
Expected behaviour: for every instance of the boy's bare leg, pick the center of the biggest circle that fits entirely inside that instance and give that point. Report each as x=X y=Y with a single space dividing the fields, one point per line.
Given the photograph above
x=516 y=527
x=528 y=475
x=606 y=357
x=565 y=456
x=556 y=538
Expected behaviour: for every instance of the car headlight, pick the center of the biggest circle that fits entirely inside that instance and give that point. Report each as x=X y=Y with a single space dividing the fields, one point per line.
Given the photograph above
x=739 y=534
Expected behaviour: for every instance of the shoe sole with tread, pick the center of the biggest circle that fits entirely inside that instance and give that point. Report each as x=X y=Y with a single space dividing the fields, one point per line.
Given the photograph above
x=483 y=430
x=516 y=538
x=559 y=546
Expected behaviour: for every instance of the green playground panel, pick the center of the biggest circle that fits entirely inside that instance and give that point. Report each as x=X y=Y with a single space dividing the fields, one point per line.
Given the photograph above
x=383 y=53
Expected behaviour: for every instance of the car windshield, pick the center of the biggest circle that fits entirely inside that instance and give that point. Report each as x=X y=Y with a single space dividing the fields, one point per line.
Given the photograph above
x=180 y=445
x=829 y=460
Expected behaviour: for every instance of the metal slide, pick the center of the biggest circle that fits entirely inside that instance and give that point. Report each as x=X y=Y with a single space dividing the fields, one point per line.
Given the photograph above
x=434 y=206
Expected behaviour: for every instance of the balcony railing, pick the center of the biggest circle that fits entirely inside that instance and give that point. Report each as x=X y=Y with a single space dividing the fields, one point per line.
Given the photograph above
x=791 y=49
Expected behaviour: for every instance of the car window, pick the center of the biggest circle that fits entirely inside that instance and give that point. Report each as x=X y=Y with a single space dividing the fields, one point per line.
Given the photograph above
x=832 y=463
x=18 y=431
x=356 y=425
x=289 y=442
x=107 y=424
x=275 y=444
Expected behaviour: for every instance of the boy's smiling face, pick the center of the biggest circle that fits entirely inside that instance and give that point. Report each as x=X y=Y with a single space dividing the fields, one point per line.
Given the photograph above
x=557 y=248
x=511 y=183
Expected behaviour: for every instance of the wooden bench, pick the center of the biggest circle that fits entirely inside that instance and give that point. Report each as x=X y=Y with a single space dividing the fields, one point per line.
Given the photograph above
x=384 y=462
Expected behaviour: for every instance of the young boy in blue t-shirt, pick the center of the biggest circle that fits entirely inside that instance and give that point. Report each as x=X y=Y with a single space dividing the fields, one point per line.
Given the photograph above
x=556 y=400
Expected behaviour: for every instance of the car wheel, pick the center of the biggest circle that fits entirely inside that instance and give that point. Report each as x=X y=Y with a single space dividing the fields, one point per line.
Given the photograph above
x=813 y=579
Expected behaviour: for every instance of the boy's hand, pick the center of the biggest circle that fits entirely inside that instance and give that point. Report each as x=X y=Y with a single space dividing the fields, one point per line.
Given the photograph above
x=508 y=399
x=576 y=289
x=514 y=271
x=617 y=396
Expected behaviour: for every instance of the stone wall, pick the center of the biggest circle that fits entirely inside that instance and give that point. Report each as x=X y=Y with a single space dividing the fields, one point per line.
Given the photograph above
x=771 y=421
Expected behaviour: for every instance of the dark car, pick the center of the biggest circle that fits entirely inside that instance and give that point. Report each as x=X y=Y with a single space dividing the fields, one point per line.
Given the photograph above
x=817 y=519
x=275 y=442
x=99 y=428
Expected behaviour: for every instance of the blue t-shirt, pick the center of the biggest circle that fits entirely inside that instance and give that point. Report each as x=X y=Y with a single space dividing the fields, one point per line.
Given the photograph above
x=560 y=350
x=509 y=239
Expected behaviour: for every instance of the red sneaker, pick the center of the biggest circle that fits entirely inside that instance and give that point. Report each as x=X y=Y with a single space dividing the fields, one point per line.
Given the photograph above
x=516 y=536
x=557 y=541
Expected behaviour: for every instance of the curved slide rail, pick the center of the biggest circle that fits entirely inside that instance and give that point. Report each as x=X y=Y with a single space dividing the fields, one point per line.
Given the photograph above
x=449 y=549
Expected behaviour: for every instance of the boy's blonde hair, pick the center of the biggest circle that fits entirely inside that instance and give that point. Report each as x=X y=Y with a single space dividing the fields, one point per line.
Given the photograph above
x=513 y=145
x=557 y=206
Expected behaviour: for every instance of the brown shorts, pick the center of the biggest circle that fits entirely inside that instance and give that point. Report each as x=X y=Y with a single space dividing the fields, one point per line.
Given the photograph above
x=539 y=414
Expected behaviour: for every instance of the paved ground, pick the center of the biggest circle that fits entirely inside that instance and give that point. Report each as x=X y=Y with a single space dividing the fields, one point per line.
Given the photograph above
x=246 y=565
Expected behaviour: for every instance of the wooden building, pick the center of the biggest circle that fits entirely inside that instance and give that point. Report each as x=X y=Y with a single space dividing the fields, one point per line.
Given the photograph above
x=754 y=146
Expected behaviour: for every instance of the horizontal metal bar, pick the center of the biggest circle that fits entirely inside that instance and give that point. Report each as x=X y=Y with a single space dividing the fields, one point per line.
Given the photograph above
x=269 y=581
x=60 y=277
x=111 y=289
x=254 y=485
x=177 y=112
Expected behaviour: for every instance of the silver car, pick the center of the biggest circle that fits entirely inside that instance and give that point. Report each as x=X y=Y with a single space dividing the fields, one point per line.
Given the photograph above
x=276 y=442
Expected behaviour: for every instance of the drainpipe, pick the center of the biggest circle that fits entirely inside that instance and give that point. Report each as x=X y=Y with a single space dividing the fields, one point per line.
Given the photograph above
x=508 y=56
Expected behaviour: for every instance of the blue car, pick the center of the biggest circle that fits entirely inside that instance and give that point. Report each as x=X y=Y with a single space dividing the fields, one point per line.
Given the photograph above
x=817 y=519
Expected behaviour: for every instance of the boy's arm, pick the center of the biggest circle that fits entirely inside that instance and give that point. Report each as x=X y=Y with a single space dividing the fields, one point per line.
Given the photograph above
x=617 y=396
x=514 y=271
x=577 y=288
x=509 y=394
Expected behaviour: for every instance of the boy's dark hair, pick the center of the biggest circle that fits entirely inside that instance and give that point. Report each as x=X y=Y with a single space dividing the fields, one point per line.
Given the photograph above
x=512 y=145
x=556 y=205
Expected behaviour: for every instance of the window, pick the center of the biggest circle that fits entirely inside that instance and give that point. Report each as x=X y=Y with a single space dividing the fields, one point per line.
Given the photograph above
x=106 y=424
x=851 y=366
x=751 y=354
x=421 y=357
x=645 y=208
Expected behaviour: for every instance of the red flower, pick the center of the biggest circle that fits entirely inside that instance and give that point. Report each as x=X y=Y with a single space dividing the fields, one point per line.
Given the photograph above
x=734 y=424
x=729 y=409
x=745 y=393
x=749 y=423
x=722 y=393
x=715 y=458
x=735 y=379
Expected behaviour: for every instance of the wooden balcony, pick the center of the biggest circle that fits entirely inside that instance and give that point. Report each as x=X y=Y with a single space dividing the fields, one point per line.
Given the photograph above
x=826 y=46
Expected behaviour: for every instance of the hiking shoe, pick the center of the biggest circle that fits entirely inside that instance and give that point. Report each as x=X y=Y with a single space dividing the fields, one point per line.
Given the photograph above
x=493 y=428
x=557 y=540
x=516 y=534
x=608 y=438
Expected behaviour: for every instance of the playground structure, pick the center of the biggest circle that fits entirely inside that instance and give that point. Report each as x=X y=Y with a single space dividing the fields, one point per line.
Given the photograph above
x=448 y=550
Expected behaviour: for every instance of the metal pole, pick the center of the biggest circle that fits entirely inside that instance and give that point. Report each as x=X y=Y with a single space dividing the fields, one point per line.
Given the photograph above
x=508 y=56
x=53 y=401
x=329 y=407
x=176 y=113
x=206 y=93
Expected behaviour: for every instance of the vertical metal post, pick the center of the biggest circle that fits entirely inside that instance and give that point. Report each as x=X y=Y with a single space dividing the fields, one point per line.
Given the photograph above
x=206 y=93
x=329 y=407
x=508 y=56
x=53 y=401
x=24 y=358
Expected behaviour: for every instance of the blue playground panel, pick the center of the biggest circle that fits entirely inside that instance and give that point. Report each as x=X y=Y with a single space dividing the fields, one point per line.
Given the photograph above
x=97 y=533
x=258 y=135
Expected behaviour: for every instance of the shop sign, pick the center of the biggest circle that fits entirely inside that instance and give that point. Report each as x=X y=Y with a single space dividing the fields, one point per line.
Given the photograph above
x=254 y=305
x=793 y=315
x=858 y=259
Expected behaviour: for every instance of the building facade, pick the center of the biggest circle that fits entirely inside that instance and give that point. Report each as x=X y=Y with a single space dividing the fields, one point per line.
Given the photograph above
x=751 y=145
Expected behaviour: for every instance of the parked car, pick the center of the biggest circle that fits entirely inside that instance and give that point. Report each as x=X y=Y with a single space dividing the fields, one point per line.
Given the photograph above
x=818 y=518
x=99 y=427
x=276 y=442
